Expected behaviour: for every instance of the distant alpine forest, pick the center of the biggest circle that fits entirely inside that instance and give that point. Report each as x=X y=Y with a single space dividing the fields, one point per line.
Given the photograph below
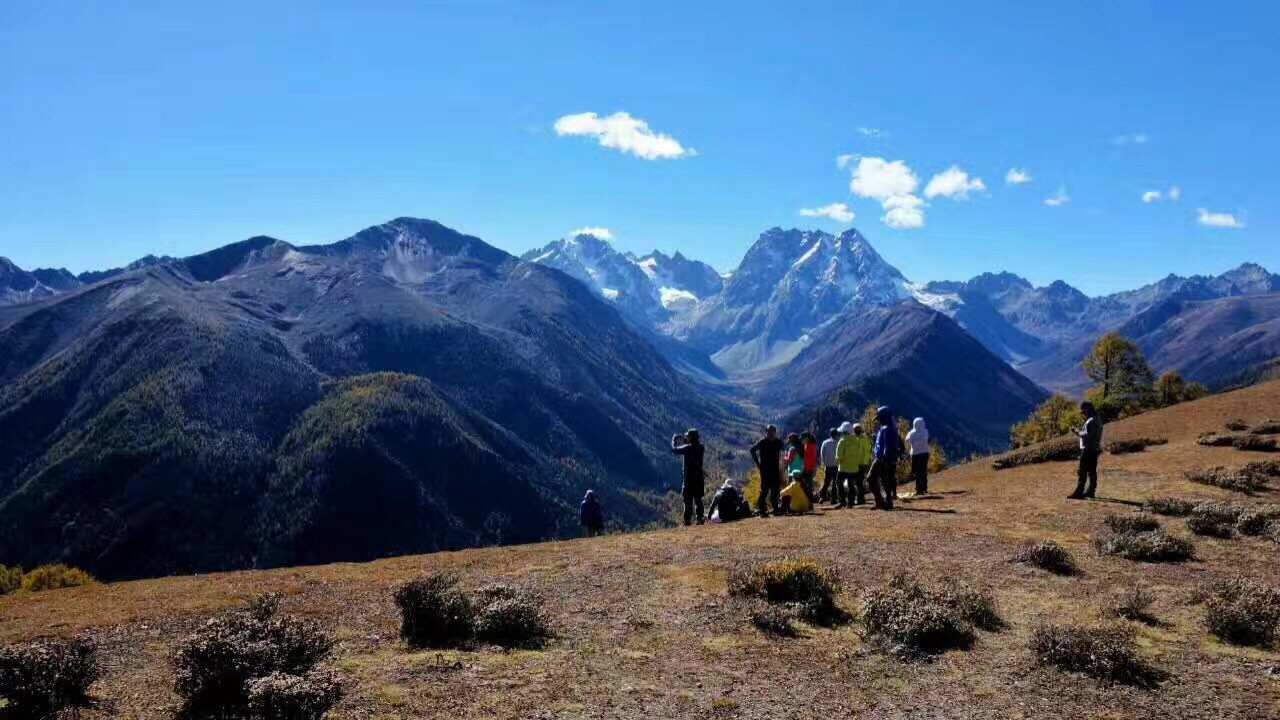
x=413 y=389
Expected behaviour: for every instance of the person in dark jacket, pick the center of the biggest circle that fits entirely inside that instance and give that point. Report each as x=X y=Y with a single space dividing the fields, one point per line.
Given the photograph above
x=690 y=447
x=767 y=455
x=592 y=515
x=1090 y=435
x=885 y=453
x=728 y=503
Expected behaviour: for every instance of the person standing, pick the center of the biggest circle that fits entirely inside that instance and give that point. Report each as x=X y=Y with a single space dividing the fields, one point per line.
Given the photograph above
x=885 y=453
x=830 y=471
x=690 y=447
x=767 y=455
x=809 y=472
x=592 y=515
x=1090 y=435
x=918 y=444
x=853 y=456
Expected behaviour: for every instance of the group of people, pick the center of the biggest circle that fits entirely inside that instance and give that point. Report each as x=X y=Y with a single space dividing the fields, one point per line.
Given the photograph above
x=852 y=460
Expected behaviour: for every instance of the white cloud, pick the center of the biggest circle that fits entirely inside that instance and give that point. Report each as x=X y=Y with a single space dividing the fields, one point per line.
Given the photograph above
x=599 y=232
x=1152 y=196
x=903 y=212
x=622 y=132
x=1218 y=219
x=842 y=161
x=1058 y=199
x=839 y=212
x=953 y=183
x=1017 y=176
x=879 y=179
x=893 y=185
x=1137 y=138
x=872 y=132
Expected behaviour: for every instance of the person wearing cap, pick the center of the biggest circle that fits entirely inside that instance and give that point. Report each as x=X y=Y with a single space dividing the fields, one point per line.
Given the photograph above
x=853 y=455
x=767 y=454
x=592 y=515
x=827 y=455
x=728 y=504
x=690 y=447
x=885 y=454
x=1090 y=435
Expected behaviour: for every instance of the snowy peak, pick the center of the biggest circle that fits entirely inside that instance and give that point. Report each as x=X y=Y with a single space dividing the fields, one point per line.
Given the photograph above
x=678 y=272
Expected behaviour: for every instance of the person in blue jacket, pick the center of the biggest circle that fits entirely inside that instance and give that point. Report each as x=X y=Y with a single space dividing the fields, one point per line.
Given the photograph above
x=592 y=515
x=885 y=453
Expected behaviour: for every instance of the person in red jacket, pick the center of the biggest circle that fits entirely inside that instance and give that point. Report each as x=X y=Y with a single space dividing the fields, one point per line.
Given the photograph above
x=810 y=464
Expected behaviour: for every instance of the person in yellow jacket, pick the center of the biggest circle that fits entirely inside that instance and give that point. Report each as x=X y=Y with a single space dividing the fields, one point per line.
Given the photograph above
x=853 y=457
x=794 y=499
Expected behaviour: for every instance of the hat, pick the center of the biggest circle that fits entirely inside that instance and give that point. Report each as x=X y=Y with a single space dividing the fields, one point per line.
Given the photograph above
x=847 y=427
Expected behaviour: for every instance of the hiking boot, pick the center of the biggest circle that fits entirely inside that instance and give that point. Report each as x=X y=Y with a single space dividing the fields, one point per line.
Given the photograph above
x=1076 y=496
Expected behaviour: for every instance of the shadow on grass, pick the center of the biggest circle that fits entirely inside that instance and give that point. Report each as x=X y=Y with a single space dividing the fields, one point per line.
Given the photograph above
x=1120 y=501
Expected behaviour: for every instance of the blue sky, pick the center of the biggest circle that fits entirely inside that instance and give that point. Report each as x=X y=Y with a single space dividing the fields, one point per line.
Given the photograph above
x=171 y=128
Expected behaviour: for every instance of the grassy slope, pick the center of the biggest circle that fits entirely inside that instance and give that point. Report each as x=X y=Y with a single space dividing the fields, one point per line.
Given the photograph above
x=646 y=631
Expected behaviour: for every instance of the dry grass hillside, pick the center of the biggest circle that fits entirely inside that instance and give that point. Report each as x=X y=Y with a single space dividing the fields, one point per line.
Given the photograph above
x=645 y=627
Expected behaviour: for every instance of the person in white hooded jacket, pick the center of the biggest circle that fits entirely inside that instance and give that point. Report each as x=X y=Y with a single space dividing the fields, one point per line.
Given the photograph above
x=918 y=444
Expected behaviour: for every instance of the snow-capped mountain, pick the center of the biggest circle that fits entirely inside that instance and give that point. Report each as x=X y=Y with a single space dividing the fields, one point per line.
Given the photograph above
x=790 y=283
x=656 y=289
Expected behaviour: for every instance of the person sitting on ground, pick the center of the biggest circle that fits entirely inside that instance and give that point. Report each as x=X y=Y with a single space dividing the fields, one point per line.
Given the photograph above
x=727 y=504
x=766 y=454
x=592 y=515
x=885 y=453
x=827 y=456
x=810 y=471
x=794 y=499
x=918 y=444
x=690 y=447
x=1090 y=435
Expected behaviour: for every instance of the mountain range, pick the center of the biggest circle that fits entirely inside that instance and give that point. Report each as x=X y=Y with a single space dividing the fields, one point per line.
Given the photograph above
x=412 y=388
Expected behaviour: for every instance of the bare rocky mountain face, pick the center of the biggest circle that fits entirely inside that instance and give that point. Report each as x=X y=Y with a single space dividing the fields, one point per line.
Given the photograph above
x=1045 y=332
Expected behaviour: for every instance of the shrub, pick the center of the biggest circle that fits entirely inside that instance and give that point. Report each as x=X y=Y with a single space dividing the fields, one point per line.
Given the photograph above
x=1171 y=506
x=1256 y=521
x=1133 y=445
x=1217 y=439
x=1244 y=612
x=1150 y=546
x=1236 y=424
x=1047 y=555
x=1053 y=451
x=511 y=617
x=434 y=613
x=10 y=579
x=53 y=577
x=1265 y=468
x=1215 y=519
x=907 y=620
x=294 y=697
x=1237 y=480
x=1266 y=427
x=975 y=605
x=1255 y=443
x=1131 y=523
x=804 y=583
x=45 y=677
x=1106 y=653
x=773 y=620
x=1134 y=605
x=217 y=663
